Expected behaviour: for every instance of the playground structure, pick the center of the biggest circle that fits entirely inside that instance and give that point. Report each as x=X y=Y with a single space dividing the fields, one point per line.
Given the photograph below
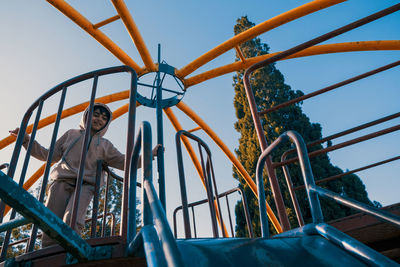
x=170 y=252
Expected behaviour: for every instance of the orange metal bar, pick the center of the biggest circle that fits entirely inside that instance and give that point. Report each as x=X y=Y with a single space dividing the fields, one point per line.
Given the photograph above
x=194 y=129
x=86 y=25
x=105 y=22
x=33 y=179
x=121 y=111
x=249 y=34
x=240 y=54
x=177 y=126
x=69 y=112
x=134 y=33
x=191 y=114
x=315 y=50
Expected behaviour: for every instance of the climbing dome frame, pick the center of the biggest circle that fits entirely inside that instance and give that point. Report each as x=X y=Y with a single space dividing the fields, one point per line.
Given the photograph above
x=185 y=80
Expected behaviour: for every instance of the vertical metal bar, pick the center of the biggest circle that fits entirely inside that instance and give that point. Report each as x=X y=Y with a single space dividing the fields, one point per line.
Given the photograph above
x=131 y=231
x=6 y=240
x=112 y=224
x=160 y=138
x=292 y=192
x=103 y=226
x=28 y=150
x=280 y=206
x=210 y=167
x=174 y=223
x=306 y=171
x=261 y=196
x=260 y=182
x=246 y=211
x=147 y=171
x=128 y=156
x=194 y=223
x=96 y=199
x=210 y=194
x=27 y=157
x=185 y=213
x=85 y=148
x=32 y=240
x=15 y=156
x=229 y=215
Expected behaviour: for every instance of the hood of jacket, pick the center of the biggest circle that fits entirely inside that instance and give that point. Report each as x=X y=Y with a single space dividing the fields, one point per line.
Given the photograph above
x=103 y=131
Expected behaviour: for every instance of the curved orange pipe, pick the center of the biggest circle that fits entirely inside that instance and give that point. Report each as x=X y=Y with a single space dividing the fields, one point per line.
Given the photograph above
x=315 y=50
x=133 y=31
x=249 y=34
x=86 y=25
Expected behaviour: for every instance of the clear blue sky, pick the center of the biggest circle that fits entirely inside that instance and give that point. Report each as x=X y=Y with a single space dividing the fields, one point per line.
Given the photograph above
x=40 y=48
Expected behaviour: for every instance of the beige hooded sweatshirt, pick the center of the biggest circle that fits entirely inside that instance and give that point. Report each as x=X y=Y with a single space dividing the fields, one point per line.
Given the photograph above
x=68 y=149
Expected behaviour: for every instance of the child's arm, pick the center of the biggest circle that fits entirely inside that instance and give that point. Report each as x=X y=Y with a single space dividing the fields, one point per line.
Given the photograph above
x=38 y=151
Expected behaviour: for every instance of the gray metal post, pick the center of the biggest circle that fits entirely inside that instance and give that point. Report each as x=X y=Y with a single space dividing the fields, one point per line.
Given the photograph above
x=160 y=139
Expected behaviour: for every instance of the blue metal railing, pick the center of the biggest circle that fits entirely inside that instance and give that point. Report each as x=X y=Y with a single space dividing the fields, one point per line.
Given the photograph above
x=209 y=182
x=37 y=106
x=153 y=214
x=224 y=194
x=313 y=192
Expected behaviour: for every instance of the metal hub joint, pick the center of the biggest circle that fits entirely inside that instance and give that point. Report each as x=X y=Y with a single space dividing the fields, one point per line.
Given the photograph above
x=172 y=87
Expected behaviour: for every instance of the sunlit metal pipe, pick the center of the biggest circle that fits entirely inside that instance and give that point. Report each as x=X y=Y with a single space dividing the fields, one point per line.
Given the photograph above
x=134 y=33
x=312 y=51
x=86 y=25
x=251 y=33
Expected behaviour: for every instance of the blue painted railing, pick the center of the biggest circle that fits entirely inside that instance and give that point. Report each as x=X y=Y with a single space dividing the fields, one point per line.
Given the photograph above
x=351 y=245
x=155 y=225
x=11 y=200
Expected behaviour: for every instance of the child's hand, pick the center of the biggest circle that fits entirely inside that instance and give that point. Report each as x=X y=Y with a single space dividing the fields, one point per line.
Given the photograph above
x=14 y=132
x=155 y=150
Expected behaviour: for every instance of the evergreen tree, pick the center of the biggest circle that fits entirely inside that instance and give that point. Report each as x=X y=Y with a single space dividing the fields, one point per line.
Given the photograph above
x=269 y=90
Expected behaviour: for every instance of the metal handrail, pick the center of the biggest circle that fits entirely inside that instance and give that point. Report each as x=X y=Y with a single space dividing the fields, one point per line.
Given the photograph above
x=254 y=109
x=305 y=169
x=153 y=214
x=314 y=191
x=348 y=202
x=209 y=182
x=224 y=194
x=38 y=105
x=349 y=244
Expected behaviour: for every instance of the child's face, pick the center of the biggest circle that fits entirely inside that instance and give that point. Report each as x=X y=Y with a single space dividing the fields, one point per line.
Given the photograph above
x=99 y=120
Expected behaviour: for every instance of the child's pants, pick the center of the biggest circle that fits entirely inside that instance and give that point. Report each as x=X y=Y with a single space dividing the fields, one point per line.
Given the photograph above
x=60 y=200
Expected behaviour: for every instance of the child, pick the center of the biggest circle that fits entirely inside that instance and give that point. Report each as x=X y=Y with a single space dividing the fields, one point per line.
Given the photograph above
x=68 y=150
